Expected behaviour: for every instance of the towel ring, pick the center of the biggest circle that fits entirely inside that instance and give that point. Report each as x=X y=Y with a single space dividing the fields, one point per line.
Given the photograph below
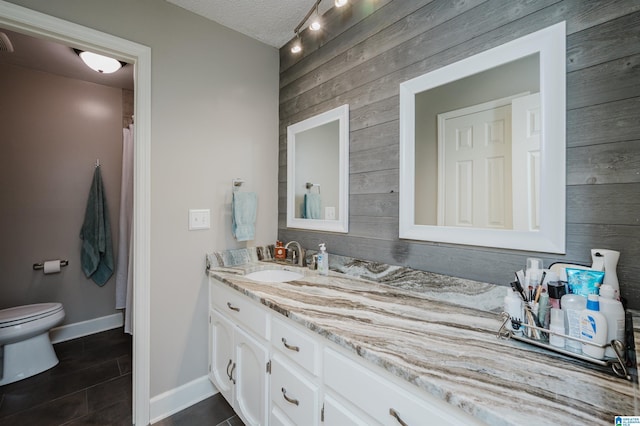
x=237 y=183
x=310 y=185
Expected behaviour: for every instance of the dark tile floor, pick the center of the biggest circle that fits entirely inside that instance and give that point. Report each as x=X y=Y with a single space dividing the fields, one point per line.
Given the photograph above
x=92 y=386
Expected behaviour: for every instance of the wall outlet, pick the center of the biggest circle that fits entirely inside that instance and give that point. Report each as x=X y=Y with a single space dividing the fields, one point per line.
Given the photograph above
x=199 y=219
x=330 y=213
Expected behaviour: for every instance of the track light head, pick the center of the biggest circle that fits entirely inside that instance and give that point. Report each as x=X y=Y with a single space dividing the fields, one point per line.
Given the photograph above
x=297 y=45
x=316 y=23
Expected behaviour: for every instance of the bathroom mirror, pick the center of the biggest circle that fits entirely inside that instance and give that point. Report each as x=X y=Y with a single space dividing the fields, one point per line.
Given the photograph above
x=482 y=148
x=318 y=172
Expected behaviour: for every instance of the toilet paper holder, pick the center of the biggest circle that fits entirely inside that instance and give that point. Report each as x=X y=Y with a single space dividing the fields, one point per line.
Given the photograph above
x=37 y=266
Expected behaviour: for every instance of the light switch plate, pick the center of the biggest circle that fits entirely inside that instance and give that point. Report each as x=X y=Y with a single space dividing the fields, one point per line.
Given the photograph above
x=330 y=213
x=199 y=219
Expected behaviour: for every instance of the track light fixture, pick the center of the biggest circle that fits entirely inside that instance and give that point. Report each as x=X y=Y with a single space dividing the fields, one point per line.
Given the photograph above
x=315 y=25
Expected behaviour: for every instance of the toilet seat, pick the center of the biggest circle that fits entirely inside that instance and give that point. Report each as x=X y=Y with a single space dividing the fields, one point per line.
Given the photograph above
x=23 y=314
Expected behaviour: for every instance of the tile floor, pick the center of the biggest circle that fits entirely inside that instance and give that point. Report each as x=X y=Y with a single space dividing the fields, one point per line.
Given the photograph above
x=92 y=386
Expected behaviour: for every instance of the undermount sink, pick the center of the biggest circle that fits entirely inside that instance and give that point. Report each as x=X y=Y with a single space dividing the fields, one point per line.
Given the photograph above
x=274 y=276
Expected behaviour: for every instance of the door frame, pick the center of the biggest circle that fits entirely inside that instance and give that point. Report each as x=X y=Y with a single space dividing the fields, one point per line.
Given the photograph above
x=21 y=19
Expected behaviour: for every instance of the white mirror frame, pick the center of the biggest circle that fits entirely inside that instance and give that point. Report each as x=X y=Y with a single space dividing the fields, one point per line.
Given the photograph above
x=341 y=224
x=550 y=44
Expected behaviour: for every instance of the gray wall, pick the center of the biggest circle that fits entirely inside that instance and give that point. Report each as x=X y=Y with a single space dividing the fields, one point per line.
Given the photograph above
x=362 y=59
x=214 y=117
x=53 y=130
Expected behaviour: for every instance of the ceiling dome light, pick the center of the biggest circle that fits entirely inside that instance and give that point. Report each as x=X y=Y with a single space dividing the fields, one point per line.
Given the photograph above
x=100 y=63
x=340 y=3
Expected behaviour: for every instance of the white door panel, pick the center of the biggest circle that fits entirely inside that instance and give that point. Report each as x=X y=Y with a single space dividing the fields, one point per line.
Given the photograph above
x=475 y=154
x=527 y=127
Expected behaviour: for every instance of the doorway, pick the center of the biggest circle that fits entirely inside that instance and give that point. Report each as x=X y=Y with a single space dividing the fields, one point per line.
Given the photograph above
x=20 y=19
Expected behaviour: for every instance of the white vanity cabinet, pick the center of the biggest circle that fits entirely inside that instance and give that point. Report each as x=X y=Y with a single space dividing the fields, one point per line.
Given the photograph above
x=311 y=381
x=238 y=359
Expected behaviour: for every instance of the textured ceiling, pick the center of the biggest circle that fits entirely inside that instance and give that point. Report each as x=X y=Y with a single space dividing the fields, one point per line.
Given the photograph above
x=269 y=21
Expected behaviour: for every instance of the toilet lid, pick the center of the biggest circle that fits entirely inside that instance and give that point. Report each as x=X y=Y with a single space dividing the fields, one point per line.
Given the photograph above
x=21 y=313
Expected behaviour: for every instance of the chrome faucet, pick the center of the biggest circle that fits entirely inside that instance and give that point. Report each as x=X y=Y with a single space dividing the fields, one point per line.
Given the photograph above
x=300 y=252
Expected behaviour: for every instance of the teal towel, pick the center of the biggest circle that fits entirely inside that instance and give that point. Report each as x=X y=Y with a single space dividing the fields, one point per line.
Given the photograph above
x=96 y=257
x=244 y=208
x=312 y=208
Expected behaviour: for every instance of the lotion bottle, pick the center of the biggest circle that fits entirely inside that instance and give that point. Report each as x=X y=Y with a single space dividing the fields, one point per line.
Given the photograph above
x=323 y=260
x=614 y=313
x=593 y=328
x=572 y=305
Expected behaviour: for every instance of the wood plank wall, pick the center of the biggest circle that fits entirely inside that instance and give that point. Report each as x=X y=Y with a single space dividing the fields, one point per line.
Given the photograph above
x=369 y=49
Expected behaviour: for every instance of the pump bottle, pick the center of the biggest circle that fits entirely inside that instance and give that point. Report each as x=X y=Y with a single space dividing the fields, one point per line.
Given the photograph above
x=593 y=328
x=323 y=260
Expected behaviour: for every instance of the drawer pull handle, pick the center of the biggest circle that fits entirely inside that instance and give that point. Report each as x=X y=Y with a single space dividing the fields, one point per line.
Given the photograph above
x=289 y=400
x=233 y=308
x=229 y=365
x=290 y=347
x=231 y=375
x=395 y=414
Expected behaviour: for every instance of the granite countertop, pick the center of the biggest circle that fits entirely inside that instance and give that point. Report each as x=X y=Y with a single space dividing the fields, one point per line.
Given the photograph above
x=439 y=333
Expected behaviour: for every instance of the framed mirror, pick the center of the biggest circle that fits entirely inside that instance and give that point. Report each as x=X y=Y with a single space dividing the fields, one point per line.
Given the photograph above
x=318 y=172
x=482 y=148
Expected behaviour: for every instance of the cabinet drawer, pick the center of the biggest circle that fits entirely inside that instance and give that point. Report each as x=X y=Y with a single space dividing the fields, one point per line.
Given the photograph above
x=336 y=413
x=292 y=393
x=383 y=400
x=296 y=344
x=240 y=308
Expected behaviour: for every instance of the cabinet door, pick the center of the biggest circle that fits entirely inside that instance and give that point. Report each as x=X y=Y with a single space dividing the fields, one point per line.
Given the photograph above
x=221 y=354
x=250 y=377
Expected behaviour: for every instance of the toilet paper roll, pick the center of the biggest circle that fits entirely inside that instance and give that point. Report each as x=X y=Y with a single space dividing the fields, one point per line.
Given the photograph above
x=52 y=266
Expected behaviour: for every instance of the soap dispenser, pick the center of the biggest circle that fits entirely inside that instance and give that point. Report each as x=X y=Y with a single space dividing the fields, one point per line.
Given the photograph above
x=323 y=260
x=280 y=251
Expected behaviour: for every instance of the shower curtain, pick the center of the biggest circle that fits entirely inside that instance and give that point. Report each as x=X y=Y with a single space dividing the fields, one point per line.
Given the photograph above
x=124 y=269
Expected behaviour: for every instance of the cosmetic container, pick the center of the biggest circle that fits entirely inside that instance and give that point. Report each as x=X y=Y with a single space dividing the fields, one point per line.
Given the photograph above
x=514 y=306
x=557 y=326
x=593 y=328
x=556 y=290
x=573 y=305
x=614 y=313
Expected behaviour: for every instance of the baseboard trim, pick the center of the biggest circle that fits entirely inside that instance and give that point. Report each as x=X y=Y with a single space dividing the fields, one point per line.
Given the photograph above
x=177 y=399
x=85 y=328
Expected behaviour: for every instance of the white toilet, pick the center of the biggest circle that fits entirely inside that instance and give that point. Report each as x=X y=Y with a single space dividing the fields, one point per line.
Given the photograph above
x=24 y=338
